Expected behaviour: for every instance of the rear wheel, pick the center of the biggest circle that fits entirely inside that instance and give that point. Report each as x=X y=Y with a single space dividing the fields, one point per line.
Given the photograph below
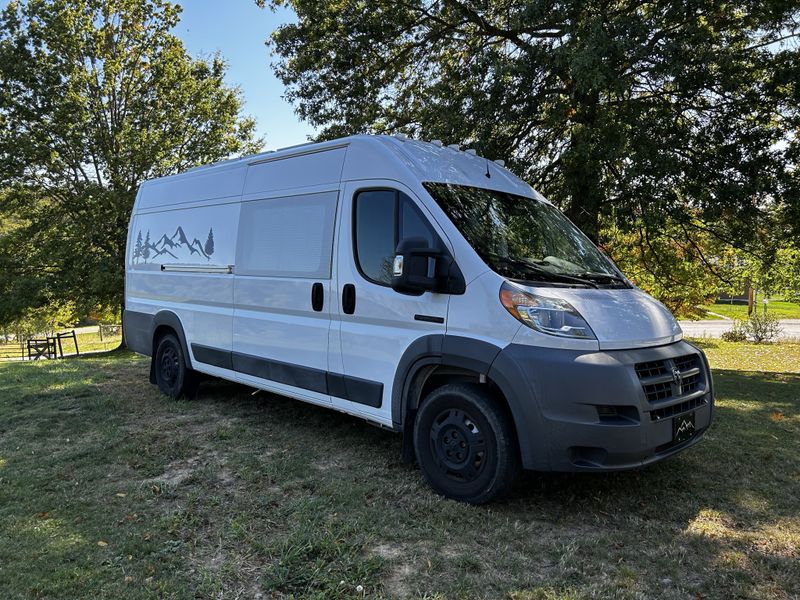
x=465 y=444
x=173 y=377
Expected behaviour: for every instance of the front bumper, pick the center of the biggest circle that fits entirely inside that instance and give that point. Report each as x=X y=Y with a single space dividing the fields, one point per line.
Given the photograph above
x=609 y=410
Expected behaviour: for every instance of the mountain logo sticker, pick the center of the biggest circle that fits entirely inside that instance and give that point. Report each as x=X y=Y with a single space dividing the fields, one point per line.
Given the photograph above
x=177 y=246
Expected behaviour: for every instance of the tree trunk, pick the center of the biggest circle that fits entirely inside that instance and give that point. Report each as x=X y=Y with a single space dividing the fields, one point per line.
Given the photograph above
x=582 y=168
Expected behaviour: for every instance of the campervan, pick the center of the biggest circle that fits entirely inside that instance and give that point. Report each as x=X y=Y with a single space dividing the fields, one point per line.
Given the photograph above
x=420 y=287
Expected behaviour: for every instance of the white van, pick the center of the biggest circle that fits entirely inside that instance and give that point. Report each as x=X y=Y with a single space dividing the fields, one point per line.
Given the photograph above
x=422 y=288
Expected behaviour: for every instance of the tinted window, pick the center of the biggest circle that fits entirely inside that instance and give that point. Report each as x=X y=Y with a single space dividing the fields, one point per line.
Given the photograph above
x=287 y=237
x=376 y=233
x=378 y=230
x=412 y=223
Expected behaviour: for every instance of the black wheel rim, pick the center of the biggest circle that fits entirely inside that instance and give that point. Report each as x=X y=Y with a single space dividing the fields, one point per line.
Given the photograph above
x=170 y=366
x=458 y=445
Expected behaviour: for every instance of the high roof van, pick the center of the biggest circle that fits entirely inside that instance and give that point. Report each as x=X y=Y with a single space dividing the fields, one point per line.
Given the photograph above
x=422 y=288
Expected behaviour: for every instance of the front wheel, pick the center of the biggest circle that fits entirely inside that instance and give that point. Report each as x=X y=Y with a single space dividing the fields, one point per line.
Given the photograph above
x=465 y=444
x=173 y=377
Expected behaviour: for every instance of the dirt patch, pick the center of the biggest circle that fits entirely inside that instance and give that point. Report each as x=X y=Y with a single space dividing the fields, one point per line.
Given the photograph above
x=176 y=472
x=396 y=582
x=179 y=471
x=403 y=563
x=330 y=463
x=388 y=551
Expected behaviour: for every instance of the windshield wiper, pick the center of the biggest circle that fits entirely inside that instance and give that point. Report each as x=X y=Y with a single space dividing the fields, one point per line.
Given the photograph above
x=540 y=271
x=591 y=275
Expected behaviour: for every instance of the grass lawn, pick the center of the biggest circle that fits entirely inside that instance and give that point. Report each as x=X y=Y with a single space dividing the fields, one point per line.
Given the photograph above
x=777 y=308
x=108 y=489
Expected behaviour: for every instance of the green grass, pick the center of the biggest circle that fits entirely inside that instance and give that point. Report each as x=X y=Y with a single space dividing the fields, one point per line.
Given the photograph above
x=87 y=342
x=783 y=357
x=108 y=489
x=777 y=308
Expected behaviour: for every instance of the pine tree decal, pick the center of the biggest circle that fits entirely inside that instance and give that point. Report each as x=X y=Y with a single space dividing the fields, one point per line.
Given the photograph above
x=137 y=251
x=146 y=248
x=209 y=247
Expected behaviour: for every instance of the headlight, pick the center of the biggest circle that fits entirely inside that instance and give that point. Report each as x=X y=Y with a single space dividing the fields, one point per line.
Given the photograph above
x=548 y=315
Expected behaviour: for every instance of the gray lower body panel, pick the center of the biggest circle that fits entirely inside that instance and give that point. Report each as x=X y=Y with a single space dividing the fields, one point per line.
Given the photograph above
x=610 y=410
x=138 y=328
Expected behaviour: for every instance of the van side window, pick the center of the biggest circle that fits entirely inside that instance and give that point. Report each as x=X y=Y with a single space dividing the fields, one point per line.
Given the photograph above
x=413 y=223
x=287 y=237
x=382 y=219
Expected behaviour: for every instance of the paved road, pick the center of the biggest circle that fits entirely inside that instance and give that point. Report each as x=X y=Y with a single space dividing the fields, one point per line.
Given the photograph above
x=714 y=329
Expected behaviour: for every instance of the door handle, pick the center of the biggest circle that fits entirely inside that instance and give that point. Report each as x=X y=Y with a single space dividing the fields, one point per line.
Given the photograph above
x=349 y=299
x=317 y=296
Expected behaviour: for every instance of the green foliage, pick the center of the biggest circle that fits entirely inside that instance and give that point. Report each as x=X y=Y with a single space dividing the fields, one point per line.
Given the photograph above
x=784 y=273
x=97 y=96
x=638 y=109
x=759 y=327
x=762 y=327
x=46 y=319
x=737 y=332
x=682 y=266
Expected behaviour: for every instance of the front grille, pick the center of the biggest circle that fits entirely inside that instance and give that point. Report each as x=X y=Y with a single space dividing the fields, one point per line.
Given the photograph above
x=691 y=383
x=650 y=369
x=670 y=380
x=676 y=409
x=658 y=391
x=684 y=363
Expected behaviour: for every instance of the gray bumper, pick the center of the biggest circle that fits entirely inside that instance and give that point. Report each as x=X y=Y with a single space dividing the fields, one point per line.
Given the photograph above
x=608 y=410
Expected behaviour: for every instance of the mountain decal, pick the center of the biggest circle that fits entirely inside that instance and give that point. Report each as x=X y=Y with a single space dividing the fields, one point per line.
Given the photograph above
x=176 y=246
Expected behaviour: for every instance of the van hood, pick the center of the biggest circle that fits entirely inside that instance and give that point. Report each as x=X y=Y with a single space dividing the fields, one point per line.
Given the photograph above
x=621 y=318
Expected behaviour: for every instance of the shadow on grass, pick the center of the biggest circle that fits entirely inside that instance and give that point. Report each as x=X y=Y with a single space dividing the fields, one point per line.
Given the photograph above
x=724 y=502
x=744 y=434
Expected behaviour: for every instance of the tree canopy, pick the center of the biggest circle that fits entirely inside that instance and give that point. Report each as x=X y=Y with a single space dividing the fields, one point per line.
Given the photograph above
x=95 y=97
x=645 y=113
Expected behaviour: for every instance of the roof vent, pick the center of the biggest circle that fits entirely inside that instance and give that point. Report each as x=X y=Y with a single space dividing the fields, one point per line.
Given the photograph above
x=454 y=146
x=471 y=151
x=500 y=162
x=437 y=143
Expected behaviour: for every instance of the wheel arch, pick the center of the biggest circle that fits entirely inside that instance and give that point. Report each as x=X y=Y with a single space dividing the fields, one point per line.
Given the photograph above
x=450 y=358
x=164 y=322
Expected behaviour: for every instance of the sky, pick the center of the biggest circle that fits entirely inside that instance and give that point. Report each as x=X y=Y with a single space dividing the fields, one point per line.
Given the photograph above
x=238 y=30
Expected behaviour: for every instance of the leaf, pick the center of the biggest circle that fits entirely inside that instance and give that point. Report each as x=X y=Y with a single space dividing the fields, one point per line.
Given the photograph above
x=102 y=544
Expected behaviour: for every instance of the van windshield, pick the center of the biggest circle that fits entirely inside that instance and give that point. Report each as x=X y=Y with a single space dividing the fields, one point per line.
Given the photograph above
x=523 y=238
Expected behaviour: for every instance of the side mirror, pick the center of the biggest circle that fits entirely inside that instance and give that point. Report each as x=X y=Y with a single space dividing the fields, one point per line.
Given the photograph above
x=410 y=267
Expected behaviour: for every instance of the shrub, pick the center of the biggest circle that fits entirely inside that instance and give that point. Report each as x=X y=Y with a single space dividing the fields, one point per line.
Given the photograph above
x=763 y=328
x=737 y=333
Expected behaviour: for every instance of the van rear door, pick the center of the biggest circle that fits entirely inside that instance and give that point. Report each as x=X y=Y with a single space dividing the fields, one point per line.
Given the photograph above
x=373 y=323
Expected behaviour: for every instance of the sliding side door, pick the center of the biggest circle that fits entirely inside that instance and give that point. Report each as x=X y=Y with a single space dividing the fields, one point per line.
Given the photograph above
x=282 y=291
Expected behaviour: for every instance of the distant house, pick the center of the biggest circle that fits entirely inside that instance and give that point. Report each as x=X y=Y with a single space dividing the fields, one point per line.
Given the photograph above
x=738 y=298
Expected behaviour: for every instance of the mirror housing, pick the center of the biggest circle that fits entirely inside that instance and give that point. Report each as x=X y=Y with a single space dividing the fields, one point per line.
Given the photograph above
x=410 y=267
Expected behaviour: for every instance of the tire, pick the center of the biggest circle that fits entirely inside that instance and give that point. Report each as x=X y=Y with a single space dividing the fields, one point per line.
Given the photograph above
x=465 y=444
x=173 y=377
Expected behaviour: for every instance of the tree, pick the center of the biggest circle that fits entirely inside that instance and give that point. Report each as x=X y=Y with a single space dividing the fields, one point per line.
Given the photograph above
x=647 y=111
x=146 y=247
x=684 y=272
x=96 y=96
x=138 y=249
x=209 y=246
x=786 y=272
